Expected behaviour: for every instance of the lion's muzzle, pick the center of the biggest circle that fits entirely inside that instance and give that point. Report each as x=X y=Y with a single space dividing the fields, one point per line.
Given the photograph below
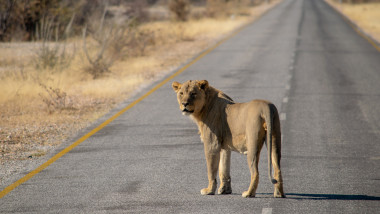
x=185 y=111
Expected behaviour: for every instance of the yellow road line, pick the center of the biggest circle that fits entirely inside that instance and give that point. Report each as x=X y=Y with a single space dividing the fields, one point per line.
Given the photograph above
x=9 y=188
x=357 y=29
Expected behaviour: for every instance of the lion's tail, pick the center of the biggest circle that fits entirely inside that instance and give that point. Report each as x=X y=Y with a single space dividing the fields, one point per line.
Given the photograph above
x=268 y=117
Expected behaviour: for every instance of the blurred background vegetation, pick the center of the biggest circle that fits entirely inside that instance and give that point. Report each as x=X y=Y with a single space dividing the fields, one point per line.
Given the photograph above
x=20 y=19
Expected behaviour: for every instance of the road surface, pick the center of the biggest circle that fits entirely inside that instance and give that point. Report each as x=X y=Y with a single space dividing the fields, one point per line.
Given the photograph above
x=323 y=77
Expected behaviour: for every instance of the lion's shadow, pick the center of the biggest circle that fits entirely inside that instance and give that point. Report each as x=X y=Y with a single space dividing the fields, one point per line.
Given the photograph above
x=305 y=196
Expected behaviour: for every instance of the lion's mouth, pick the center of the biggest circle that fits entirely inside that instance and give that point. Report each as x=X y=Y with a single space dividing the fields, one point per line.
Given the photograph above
x=186 y=111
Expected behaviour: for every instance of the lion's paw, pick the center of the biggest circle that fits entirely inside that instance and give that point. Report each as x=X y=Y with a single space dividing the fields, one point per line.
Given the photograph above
x=207 y=191
x=246 y=194
x=279 y=192
x=224 y=190
x=279 y=195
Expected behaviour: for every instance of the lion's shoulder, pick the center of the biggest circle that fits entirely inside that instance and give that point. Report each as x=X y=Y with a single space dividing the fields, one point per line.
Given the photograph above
x=219 y=95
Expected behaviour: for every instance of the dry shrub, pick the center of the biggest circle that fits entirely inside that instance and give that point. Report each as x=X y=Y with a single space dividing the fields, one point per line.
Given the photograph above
x=114 y=40
x=216 y=8
x=52 y=55
x=98 y=65
x=138 y=10
x=129 y=40
x=103 y=34
x=113 y=43
x=180 y=8
x=182 y=33
x=228 y=8
x=55 y=99
x=137 y=43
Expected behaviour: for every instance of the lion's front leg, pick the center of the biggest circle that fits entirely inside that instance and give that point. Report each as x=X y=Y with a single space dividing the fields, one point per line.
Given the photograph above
x=212 y=169
x=224 y=172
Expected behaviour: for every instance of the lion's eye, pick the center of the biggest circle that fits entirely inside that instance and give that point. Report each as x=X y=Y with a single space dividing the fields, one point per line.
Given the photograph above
x=193 y=94
x=181 y=93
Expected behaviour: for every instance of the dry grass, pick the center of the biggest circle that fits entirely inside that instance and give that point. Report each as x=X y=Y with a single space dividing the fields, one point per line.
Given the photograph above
x=29 y=127
x=365 y=15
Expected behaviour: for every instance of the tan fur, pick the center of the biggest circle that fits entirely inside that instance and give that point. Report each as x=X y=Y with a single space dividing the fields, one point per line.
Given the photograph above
x=226 y=126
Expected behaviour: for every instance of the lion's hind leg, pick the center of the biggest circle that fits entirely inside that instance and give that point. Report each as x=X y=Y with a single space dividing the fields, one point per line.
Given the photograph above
x=278 y=187
x=276 y=158
x=254 y=143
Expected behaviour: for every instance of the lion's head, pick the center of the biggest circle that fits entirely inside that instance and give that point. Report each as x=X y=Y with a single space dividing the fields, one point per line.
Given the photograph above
x=191 y=95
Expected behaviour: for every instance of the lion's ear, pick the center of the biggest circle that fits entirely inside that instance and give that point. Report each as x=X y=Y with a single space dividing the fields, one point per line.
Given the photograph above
x=203 y=84
x=176 y=86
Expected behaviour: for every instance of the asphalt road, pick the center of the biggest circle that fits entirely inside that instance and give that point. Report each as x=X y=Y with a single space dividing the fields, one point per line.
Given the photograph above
x=323 y=77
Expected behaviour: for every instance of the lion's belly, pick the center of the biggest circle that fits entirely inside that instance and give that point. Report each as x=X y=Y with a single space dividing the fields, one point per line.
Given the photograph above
x=237 y=143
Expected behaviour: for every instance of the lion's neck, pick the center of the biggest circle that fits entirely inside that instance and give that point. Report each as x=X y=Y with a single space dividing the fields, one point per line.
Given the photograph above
x=213 y=113
x=210 y=104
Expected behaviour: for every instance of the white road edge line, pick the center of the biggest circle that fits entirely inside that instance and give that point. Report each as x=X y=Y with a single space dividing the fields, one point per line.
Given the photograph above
x=283 y=116
x=267 y=211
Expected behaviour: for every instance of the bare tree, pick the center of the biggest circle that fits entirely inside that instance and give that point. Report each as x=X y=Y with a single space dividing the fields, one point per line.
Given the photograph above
x=99 y=64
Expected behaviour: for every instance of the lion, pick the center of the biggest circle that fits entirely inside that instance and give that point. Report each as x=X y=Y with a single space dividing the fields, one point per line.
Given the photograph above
x=226 y=126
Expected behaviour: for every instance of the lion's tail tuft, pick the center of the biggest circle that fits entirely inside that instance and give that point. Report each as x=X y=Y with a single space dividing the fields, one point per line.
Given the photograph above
x=274 y=181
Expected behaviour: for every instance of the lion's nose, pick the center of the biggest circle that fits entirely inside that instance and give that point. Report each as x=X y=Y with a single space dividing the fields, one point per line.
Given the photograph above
x=185 y=104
